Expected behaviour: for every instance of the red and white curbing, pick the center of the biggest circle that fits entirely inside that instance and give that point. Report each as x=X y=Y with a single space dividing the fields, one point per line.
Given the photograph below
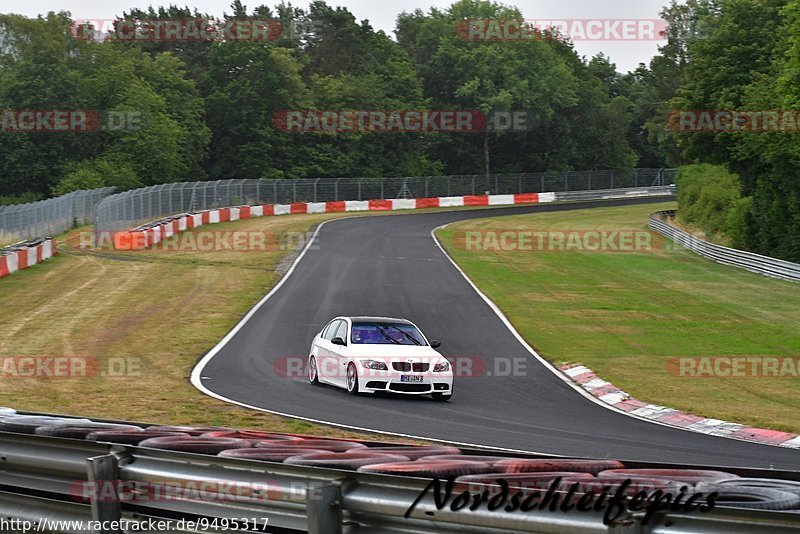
x=21 y=257
x=610 y=394
x=151 y=234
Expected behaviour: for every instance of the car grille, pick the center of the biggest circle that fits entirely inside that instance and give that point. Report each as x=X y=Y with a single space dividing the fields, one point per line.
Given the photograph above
x=410 y=388
x=376 y=385
x=406 y=367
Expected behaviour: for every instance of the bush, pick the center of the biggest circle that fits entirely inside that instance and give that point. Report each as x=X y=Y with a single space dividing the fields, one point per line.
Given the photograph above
x=22 y=198
x=93 y=174
x=706 y=196
x=739 y=223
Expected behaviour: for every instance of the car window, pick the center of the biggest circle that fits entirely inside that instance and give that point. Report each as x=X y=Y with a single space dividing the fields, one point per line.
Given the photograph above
x=341 y=331
x=369 y=333
x=324 y=331
x=330 y=329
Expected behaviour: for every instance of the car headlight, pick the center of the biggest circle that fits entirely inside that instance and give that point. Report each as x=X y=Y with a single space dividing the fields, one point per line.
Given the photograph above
x=441 y=367
x=375 y=365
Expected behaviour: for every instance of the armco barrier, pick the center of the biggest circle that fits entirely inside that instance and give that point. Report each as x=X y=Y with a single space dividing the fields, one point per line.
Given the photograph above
x=756 y=263
x=69 y=479
x=152 y=233
x=25 y=254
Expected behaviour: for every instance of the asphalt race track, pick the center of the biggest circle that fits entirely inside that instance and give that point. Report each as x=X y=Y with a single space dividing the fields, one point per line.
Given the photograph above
x=391 y=266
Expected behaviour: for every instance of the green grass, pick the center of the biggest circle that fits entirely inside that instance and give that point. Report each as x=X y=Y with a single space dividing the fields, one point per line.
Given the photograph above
x=159 y=310
x=626 y=314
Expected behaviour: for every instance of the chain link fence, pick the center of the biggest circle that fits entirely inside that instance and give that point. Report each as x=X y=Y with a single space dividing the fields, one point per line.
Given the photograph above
x=132 y=208
x=49 y=217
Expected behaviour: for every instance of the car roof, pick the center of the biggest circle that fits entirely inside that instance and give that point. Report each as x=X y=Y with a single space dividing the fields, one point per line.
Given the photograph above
x=372 y=319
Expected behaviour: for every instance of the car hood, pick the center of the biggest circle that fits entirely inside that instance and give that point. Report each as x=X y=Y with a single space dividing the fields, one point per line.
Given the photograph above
x=395 y=352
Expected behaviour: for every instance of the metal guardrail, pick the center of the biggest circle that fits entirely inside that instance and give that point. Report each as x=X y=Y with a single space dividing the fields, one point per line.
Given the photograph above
x=608 y=194
x=132 y=208
x=43 y=477
x=756 y=263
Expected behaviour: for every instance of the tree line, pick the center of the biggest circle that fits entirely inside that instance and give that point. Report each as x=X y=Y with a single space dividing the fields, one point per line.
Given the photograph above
x=206 y=109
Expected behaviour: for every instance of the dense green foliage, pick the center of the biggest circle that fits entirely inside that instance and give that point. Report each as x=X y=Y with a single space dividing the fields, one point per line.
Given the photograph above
x=208 y=109
x=744 y=55
x=709 y=197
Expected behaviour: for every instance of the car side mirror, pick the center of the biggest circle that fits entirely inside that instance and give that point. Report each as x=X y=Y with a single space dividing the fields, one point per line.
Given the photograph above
x=436 y=344
x=338 y=341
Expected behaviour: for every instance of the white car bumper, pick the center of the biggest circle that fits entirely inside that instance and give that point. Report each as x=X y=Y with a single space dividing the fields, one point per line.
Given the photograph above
x=406 y=383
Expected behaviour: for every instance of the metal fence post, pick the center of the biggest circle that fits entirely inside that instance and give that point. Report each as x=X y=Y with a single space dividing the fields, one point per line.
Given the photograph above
x=324 y=509
x=103 y=470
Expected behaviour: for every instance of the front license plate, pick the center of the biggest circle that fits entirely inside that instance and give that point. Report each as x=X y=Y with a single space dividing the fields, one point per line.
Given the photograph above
x=408 y=378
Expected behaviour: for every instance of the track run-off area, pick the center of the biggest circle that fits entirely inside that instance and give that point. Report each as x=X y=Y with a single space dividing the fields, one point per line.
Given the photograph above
x=393 y=266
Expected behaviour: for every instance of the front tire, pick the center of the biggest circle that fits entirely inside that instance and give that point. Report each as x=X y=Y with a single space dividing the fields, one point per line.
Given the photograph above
x=352 y=379
x=313 y=371
x=441 y=397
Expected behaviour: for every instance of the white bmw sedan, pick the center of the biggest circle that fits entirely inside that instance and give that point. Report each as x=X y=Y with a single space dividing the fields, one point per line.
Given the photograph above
x=371 y=354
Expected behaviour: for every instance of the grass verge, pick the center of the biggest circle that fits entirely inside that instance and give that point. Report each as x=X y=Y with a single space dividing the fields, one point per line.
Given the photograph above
x=625 y=315
x=145 y=316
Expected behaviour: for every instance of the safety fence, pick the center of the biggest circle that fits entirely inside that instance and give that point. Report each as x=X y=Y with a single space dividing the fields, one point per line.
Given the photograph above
x=154 y=232
x=773 y=267
x=49 y=217
x=131 y=208
x=101 y=473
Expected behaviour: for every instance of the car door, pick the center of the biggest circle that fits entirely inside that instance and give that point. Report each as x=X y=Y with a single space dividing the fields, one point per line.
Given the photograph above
x=326 y=367
x=340 y=355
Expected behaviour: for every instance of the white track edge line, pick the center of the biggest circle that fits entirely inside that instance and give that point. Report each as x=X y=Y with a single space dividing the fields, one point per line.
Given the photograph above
x=577 y=387
x=196 y=376
x=197 y=372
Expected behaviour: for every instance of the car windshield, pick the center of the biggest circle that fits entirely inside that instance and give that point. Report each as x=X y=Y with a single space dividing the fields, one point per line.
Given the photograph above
x=373 y=333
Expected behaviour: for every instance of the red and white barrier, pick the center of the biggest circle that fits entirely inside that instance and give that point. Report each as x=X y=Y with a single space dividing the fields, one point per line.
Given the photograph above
x=25 y=257
x=142 y=238
x=610 y=394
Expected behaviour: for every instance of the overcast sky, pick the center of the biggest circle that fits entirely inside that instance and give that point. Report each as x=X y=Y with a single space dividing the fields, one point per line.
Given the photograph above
x=383 y=13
